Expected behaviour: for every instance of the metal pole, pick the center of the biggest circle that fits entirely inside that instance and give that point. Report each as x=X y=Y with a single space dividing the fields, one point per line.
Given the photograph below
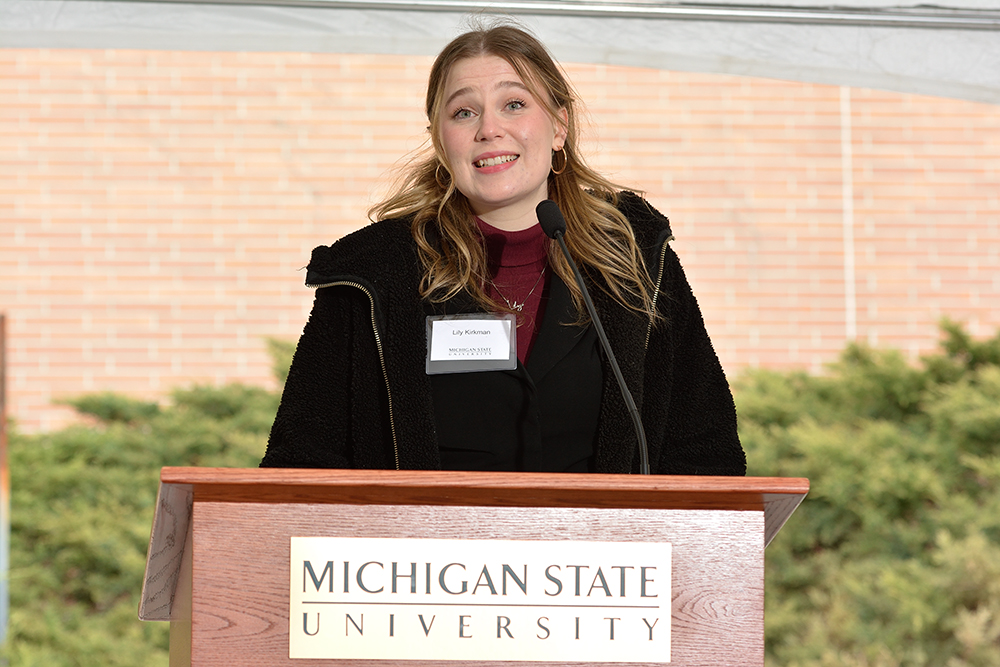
x=4 y=488
x=931 y=18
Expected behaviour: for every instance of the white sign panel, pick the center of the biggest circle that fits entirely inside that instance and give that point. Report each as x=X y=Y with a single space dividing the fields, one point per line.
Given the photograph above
x=416 y=599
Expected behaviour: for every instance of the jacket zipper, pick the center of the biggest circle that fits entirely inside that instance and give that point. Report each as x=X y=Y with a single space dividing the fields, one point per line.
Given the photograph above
x=656 y=293
x=656 y=289
x=381 y=354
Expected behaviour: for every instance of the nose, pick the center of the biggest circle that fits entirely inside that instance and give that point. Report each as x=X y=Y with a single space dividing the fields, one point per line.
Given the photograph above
x=490 y=126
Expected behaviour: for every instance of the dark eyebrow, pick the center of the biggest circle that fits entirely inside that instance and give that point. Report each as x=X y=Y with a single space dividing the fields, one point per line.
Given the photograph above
x=499 y=86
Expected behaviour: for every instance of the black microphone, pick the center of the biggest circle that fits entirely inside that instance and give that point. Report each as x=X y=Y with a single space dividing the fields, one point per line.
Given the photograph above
x=554 y=225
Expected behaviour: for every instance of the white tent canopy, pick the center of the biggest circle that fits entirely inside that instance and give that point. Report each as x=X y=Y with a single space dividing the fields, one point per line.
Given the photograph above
x=947 y=51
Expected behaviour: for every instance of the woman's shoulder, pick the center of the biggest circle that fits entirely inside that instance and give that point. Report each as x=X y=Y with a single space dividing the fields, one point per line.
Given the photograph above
x=379 y=250
x=651 y=227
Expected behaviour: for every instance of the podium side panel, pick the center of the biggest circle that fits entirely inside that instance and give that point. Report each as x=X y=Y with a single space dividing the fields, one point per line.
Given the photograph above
x=241 y=561
x=180 y=621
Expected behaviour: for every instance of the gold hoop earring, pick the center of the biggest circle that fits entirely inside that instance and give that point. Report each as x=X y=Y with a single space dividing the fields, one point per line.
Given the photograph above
x=564 y=164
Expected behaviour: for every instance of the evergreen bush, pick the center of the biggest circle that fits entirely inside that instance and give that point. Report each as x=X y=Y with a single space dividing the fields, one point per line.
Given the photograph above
x=893 y=560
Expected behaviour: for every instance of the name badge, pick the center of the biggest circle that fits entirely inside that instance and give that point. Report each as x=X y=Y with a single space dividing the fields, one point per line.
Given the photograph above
x=471 y=342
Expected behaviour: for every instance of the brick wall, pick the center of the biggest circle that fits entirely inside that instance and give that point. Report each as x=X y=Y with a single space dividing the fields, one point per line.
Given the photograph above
x=156 y=207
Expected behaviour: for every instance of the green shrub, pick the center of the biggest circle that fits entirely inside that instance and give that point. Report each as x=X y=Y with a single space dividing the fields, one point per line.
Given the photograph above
x=82 y=504
x=894 y=557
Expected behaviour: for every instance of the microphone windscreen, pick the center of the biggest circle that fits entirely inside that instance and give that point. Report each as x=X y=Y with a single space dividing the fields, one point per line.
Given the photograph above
x=550 y=218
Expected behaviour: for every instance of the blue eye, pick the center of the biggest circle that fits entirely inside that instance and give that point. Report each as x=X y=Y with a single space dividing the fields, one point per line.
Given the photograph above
x=514 y=105
x=462 y=113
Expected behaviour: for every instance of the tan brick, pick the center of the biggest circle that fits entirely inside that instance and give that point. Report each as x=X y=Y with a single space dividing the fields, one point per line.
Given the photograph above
x=156 y=208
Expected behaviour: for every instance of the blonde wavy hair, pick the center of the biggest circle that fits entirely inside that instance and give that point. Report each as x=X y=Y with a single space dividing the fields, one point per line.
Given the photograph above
x=450 y=245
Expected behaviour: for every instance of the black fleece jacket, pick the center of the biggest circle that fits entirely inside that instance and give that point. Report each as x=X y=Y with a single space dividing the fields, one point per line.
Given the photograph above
x=357 y=395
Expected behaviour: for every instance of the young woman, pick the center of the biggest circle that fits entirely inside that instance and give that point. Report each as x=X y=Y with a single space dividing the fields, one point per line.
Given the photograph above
x=460 y=239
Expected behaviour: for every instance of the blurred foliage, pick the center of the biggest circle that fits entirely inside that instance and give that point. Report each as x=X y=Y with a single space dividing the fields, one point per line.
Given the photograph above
x=82 y=504
x=893 y=560
x=281 y=353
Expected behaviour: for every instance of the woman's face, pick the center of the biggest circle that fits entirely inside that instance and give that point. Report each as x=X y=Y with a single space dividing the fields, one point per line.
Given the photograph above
x=498 y=141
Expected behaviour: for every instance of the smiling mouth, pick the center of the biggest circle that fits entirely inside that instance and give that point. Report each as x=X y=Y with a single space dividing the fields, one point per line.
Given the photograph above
x=494 y=161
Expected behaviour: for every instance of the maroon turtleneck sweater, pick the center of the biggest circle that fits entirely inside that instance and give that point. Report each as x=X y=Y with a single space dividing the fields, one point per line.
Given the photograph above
x=515 y=264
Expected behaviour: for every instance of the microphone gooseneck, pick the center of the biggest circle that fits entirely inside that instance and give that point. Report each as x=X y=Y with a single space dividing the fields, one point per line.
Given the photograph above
x=554 y=225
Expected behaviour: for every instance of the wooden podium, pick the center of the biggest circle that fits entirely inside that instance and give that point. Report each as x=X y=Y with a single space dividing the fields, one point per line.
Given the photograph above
x=218 y=561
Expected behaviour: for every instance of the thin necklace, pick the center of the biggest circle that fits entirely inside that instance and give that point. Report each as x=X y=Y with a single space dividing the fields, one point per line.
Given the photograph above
x=518 y=306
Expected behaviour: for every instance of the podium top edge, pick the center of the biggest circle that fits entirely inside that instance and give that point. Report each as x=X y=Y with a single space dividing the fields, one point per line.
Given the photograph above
x=484 y=481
